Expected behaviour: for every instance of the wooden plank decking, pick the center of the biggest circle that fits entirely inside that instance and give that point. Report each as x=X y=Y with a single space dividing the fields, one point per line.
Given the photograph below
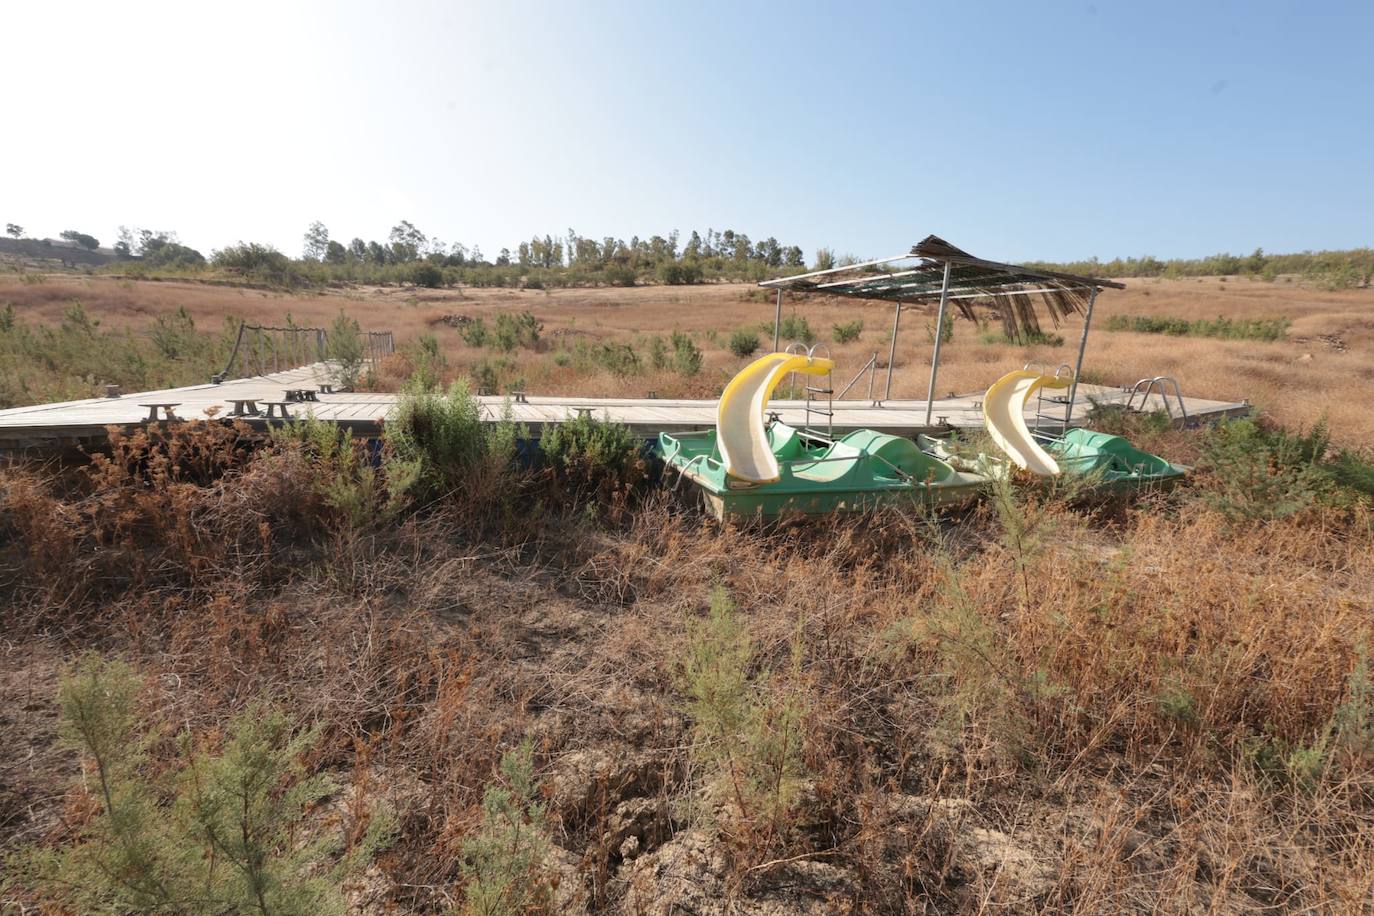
x=78 y=422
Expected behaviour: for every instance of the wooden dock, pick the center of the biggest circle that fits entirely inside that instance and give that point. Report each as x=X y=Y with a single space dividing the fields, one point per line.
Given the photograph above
x=47 y=426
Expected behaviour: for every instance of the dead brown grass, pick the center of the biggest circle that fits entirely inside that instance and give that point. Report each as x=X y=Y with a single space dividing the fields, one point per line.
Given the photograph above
x=1131 y=732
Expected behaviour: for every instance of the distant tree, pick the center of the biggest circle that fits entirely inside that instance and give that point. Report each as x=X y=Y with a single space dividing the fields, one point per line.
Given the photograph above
x=316 y=242
x=825 y=259
x=458 y=254
x=378 y=253
x=792 y=256
x=357 y=250
x=335 y=253
x=88 y=242
x=503 y=259
x=406 y=241
x=477 y=254
x=523 y=254
x=160 y=248
x=693 y=247
x=14 y=229
x=769 y=252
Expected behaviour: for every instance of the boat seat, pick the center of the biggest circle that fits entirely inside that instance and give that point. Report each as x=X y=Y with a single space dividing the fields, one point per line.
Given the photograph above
x=836 y=462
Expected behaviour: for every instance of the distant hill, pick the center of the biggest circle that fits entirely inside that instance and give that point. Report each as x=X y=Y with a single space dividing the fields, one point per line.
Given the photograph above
x=48 y=251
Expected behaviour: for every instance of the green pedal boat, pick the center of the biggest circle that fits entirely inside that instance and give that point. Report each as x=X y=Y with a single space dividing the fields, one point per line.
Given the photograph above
x=1105 y=462
x=859 y=471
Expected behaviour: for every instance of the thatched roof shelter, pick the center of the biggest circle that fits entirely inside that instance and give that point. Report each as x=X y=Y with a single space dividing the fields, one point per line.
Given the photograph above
x=934 y=271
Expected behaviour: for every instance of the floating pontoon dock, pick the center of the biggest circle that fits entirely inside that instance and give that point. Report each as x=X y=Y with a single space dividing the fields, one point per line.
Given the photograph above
x=932 y=273
x=46 y=426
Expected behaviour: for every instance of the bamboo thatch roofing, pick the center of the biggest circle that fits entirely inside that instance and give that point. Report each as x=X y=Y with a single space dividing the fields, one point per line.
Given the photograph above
x=918 y=277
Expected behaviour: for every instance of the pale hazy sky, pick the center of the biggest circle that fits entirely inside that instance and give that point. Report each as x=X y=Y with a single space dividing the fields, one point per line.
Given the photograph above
x=1015 y=130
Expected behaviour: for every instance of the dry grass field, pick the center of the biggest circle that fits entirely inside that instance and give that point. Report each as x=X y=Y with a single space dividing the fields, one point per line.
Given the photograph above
x=1322 y=367
x=560 y=689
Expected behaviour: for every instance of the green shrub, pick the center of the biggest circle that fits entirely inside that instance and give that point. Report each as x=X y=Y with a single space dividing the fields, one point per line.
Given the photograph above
x=687 y=358
x=1225 y=328
x=1258 y=472
x=849 y=331
x=514 y=330
x=428 y=275
x=238 y=835
x=344 y=350
x=748 y=731
x=615 y=275
x=474 y=333
x=618 y=358
x=594 y=458
x=361 y=493
x=443 y=439
x=504 y=858
x=658 y=352
x=743 y=342
x=795 y=329
x=679 y=273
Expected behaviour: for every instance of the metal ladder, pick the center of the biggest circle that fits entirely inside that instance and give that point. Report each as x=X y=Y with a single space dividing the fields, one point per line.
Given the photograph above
x=1061 y=418
x=1147 y=386
x=828 y=412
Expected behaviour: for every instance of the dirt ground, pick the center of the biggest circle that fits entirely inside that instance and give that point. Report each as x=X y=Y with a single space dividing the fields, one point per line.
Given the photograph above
x=1323 y=367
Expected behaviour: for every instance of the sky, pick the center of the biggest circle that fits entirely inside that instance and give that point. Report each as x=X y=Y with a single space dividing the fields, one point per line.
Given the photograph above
x=1017 y=131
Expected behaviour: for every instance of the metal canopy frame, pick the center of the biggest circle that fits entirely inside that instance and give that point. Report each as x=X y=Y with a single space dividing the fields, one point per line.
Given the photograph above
x=934 y=271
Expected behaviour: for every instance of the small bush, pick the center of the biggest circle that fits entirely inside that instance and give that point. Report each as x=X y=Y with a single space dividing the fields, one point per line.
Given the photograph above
x=743 y=342
x=344 y=349
x=236 y=838
x=504 y=859
x=658 y=352
x=1225 y=328
x=1257 y=472
x=794 y=329
x=687 y=358
x=848 y=332
x=474 y=333
x=442 y=437
x=595 y=459
x=748 y=732
x=615 y=275
x=427 y=275
x=514 y=330
x=679 y=273
x=618 y=358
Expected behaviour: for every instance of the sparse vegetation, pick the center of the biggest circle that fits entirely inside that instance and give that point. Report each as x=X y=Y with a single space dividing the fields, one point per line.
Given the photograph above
x=235 y=836
x=795 y=329
x=1226 y=328
x=744 y=342
x=849 y=331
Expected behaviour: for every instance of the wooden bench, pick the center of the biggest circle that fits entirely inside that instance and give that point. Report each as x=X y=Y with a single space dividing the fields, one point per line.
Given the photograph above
x=166 y=409
x=272 y=407
x=240 y=410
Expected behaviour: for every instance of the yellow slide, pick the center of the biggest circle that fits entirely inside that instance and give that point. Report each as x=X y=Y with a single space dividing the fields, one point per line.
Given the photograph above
x=1004 y=411
x=743 y=441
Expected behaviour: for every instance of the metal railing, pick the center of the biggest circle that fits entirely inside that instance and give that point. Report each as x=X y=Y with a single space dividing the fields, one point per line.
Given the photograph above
x=829 y=391
x=871 y=367
x=261 y=349
x=1147 y=386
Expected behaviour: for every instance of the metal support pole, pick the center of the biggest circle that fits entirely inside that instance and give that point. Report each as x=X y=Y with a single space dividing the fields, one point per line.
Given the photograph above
x=939 y=336
x=892 y=351
x=777 y=321
x=1078 y=367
